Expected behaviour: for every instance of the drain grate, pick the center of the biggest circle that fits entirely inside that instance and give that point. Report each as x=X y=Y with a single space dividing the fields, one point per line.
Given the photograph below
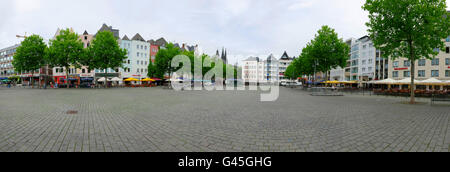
x=72 y=112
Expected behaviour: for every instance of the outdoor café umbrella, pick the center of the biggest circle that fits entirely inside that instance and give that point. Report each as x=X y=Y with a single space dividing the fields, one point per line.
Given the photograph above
x=386 y=81
x=102 y=79
x=147 y=80
x=115 y=79
x=131 y=79
x=431 y=81
x=407 y=81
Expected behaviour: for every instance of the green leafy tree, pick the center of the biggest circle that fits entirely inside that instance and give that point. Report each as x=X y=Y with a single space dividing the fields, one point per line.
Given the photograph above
x=408 y=28
x=30 y=55
x=326 y=51
x=163 y=60
x=66 y=51
x=151 y=70
x=106 y=53
x=292 y=71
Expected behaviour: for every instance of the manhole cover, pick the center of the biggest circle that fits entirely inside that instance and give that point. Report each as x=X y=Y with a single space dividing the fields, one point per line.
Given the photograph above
x=72 y=112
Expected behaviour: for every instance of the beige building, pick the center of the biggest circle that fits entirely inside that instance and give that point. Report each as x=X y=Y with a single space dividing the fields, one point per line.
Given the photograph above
x=438 y=68
x=75 y=75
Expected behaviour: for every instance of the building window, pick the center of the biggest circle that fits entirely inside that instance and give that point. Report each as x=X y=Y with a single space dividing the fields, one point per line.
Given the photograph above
x=436 y=50
x=138 y=54
x=137 y=46
x=138 y=62
x=447 y=73
x=85 y=37
x=447 y=50
x=395 y=74
x=83 y=71
x=406 y=74
x=395 y=64
x=129 y=61
x=422 y=62
x=407 y=63
x=421 y=73
x=448 y=39
x=435 y=73
x=447 y=61
x=435 y=62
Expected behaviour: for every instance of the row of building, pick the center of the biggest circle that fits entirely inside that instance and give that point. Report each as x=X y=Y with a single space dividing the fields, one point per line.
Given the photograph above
x=366 y=63
x=271 y=69
x=140 y=53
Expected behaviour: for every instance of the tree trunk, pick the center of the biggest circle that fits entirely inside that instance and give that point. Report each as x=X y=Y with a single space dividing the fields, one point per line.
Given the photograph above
x=67 y=77
x=413 y=87
x=32 y=79
x=40 y=80
x=413 y=72
x=106 y=78
x=46 y=77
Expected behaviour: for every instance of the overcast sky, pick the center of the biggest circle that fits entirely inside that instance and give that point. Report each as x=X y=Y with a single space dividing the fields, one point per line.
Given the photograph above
x=244 y=27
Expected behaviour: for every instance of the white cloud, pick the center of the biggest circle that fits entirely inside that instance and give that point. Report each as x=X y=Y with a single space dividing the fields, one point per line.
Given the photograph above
x=244 y=27
x=300 y=4
x=23 y=6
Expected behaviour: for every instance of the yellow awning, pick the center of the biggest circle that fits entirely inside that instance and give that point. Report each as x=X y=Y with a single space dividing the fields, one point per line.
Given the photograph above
x=131 y=79
x=148 y=80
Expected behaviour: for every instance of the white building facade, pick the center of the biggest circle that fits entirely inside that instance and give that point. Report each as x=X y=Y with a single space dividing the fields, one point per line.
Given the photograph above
x=136 y=65
x=254 y=70
x=284 y=63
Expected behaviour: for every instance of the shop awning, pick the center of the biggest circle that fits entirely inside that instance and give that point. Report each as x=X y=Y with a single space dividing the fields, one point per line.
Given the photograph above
x=131 y=79
x=147 y=80
x=87 y=79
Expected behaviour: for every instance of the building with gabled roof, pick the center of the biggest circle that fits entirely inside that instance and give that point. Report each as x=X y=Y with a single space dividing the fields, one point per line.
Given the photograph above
x=139 y=56
x=284 y=63
x=109 y=28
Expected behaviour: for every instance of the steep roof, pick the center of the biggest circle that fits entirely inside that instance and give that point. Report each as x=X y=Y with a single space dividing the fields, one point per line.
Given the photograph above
x=191 y=48
x=151 y=41
x=126 y=38
x=85 y=33
x=138 y=37
x=177 y=45
x=271 y=58
x=252 y=59
x=109 y=28
x=161 y=42
x=285 y=56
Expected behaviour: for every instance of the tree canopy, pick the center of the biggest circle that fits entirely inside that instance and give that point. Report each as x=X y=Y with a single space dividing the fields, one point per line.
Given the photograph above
x=163 y=60
x=30 y=55
x=105 y=52
x=411 y=29
x=66 y=51
x=325 y=52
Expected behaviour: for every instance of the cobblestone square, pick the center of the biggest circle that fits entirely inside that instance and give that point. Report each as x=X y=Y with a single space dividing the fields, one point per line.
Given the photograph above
x=162 y=120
